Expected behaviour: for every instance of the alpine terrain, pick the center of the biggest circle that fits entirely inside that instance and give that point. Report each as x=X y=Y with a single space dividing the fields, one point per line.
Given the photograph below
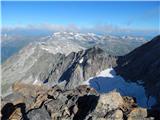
x=115 y=45
x=74 y=76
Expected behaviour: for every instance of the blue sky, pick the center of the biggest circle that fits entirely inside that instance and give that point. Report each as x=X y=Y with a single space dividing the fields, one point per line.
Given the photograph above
x=117 y=16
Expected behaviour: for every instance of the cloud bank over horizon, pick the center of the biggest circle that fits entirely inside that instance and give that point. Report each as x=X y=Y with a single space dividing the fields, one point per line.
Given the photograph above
x=102 y=17
x=98 y=29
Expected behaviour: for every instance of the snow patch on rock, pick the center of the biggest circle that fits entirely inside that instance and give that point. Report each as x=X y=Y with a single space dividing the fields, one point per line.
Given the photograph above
x=81 y=60
x=37 y=82
x=107 y=81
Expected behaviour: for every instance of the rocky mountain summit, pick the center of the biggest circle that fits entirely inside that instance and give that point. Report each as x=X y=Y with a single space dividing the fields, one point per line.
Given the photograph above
x=30 y=102
x=46 y=82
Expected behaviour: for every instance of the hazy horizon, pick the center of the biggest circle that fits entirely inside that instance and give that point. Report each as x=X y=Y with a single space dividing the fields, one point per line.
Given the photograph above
x=117 y=18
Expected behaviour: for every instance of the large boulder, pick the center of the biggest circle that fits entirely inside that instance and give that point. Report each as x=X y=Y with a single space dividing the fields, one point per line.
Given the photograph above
x=109 y=102
x=39 y=114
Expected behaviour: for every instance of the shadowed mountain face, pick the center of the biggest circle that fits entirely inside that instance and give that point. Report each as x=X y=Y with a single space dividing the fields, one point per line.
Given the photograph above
x=143 y=65
x=40 y=67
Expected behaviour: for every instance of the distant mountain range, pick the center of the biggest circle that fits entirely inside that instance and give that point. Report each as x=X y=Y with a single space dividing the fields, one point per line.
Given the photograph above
x=13 y=43
x=114 y=45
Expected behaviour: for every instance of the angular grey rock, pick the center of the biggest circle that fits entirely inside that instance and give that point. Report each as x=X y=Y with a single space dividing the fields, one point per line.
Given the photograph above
x=78 y=67
x=39 y=114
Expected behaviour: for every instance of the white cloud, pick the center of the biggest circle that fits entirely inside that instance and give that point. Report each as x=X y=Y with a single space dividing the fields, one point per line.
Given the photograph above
x=99 y=28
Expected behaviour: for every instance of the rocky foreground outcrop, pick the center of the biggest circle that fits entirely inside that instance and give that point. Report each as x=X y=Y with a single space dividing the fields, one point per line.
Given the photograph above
x=82 y=103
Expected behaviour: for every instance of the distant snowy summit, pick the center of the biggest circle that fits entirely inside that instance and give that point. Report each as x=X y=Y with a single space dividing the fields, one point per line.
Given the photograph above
x=77 y=35
x=114 y=45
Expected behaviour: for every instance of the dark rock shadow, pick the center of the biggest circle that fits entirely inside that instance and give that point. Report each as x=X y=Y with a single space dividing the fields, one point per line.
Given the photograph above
x=107 y=84
x=9 y=108
x=22 y=106
x=67 y=74
x=154 y=113
x=86 y=104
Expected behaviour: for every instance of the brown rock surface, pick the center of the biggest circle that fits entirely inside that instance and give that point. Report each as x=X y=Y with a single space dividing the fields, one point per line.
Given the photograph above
x=80 y=103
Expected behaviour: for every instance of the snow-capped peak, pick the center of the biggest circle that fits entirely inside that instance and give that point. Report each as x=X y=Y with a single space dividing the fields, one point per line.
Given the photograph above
x=132 y=37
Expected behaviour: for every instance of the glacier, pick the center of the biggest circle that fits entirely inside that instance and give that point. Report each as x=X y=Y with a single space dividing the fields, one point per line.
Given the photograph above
x=107 y=80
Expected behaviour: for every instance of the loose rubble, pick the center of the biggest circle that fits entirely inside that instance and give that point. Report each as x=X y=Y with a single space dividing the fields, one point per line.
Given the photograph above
x=81 y=103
